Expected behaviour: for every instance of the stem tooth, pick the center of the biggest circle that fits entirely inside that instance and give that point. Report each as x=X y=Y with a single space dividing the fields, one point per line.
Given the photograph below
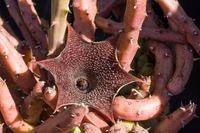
x=183 y=109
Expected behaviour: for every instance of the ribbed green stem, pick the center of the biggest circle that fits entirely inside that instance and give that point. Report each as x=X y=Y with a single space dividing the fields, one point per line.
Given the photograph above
x=59 y=11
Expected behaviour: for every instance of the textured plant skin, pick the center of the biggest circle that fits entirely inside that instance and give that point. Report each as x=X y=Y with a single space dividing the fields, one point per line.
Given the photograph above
x=184 y=62
x=13 y=41
x=105 y=7
x=57 y=31
x=160 y=34
x=7 y=27
x=176 y=120
x=10 y=112
x=33 y=23
x=90 y=128
x=139 y=129
x=150 y=107
x=128 y=40
x=33 y=104
x=118 y=128
x=184 y=65
x=16 y=15
x=184 y=24
x=84 y=14
x=107 y=25
x=64 y=121
x=94 y=63
x=15 y=65
x=97 y=120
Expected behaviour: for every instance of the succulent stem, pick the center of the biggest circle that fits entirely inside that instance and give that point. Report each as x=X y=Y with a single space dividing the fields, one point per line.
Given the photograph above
x=59 y=11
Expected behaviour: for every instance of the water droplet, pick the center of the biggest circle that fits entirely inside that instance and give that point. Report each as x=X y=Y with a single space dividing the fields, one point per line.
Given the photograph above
x=135 y=7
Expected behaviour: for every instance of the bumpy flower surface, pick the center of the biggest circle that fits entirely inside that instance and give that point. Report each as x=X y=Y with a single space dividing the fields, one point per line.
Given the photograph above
x=88 y=73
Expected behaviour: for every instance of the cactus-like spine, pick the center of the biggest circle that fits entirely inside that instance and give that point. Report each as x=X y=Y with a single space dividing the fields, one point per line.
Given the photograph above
x=59 y=12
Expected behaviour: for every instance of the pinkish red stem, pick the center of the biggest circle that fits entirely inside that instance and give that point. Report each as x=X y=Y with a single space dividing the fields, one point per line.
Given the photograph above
x=84 y=14
x=128 y=41
x=64 y=121
x=105 y=7
x=184 y=24
x=150 y=107
x=15 y=65
x=118 y=127
x=184 y=65
x=184 y=54
x=33 y=23
x=33 y=104
x=7 y=27
x=90 y=128
x=176 y=120
x=15 y=13
x=97 y=120
x=160 y=34
x=10 y=112
x=13 y=41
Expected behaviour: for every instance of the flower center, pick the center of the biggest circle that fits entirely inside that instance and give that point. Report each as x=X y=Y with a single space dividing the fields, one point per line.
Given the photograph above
x=82 y=84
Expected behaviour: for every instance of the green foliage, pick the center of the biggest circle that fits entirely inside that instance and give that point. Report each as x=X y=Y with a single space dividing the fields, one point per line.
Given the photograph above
x=75 y=130
x=143 y=62
x=129 y=124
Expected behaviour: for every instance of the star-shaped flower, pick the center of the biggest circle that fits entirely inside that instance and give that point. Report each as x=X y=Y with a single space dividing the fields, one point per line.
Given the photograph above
x=87 y=72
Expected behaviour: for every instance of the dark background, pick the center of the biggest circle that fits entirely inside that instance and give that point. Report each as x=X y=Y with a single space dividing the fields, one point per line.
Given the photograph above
x=191 y=93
